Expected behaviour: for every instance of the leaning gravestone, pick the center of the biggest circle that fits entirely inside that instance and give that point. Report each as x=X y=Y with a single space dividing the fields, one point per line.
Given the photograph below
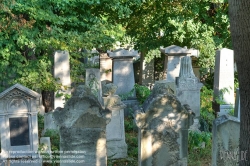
x=226 y=135
x=163 y=131
x=19 y=107
x=116 y=145
x=82 y=127
x=224 y=79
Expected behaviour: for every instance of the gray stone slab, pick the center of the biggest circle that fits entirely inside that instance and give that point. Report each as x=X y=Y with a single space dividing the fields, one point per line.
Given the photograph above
x=224 y=77
x=62 y=71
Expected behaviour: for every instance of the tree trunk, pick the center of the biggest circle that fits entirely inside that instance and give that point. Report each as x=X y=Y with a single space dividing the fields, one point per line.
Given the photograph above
x=48 y=100
x=239 y=12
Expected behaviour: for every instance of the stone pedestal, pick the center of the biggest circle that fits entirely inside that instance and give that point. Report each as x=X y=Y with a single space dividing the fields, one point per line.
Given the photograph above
x=188 y=86
x=116 y=145
x=123 y=72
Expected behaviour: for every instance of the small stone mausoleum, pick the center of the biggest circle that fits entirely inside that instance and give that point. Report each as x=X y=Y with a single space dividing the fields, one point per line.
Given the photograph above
x=19 y=125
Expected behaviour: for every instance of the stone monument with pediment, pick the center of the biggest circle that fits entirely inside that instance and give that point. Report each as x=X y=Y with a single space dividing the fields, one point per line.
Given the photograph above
x=19 y=107
x=123 y=70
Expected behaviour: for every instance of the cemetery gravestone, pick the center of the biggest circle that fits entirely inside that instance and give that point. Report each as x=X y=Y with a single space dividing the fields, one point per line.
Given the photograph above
x=226 y=135
x=19 y=107
x=188 y=86
x=62 y=71
x=175 y=53
x=163 y=131
x=123 y=72
x=116 y=145
x=82 y=127
x=224 y=80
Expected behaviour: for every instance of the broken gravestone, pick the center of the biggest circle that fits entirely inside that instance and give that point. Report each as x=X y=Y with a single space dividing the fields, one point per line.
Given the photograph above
x=82 y=127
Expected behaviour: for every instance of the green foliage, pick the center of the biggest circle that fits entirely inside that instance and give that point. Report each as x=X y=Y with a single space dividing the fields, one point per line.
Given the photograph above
x=125 y=96
x=206 y=113
x=195 y=139
x=40 y=124
x=201 y=24
x=199 y=148
x=31 y=31
x=236 y=81
x=142 y=93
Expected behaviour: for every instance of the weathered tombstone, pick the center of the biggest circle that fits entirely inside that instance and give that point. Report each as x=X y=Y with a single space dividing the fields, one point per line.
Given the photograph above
x=226 y=135
x=105 y=67
x=62 y=71
x=224 y=79
x=123 y=72
x=175 y=53
x=116 y=145
x=19 y=125
x=237 y=104
x=163 y=131
x=188 y=86
x=82 y=127
x=93 y=81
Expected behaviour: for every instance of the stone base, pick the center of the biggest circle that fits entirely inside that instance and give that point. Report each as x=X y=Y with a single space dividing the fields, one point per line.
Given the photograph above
x=116 y=149
x=225 y=109
x=195 y=126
